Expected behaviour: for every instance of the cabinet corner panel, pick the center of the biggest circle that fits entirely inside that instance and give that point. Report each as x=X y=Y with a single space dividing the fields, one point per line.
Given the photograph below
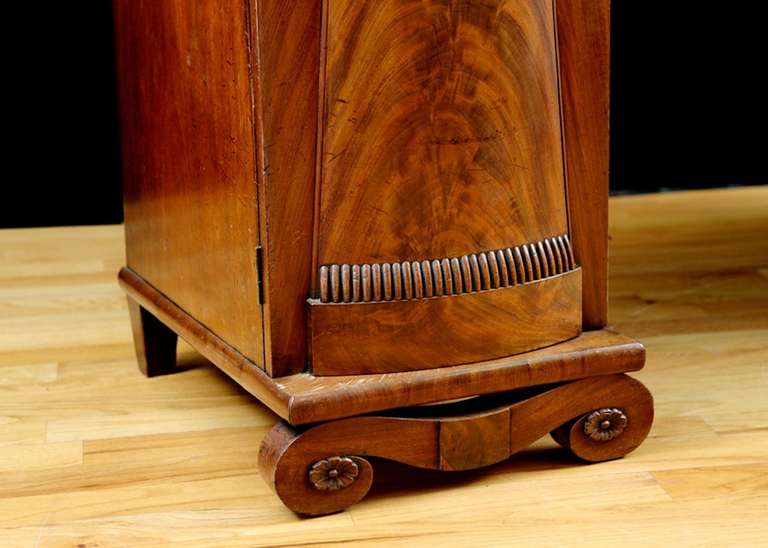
x=584 y=29
x=189 y=161
x=286 y=52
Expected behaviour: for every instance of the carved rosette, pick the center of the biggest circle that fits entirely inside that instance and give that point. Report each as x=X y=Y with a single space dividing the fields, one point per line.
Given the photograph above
x=605 y=424
x=333 y=473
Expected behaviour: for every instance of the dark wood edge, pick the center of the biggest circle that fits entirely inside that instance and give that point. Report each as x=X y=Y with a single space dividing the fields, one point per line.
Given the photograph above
x=304 y=398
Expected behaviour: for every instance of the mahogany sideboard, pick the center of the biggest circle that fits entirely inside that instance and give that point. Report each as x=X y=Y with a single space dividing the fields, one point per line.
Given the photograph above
x=357 y=208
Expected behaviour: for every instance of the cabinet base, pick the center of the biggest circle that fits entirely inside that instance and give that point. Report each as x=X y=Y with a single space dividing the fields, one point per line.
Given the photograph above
x=575 y=390
x=324 y=468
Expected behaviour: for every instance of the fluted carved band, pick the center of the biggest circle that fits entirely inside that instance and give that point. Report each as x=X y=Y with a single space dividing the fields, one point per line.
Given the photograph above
x=448 y=276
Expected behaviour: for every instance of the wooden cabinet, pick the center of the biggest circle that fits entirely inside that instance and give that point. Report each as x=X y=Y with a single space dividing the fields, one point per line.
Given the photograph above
x=353 y=206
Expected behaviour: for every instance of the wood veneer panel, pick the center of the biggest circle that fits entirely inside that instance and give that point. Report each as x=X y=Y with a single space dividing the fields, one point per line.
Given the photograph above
x=441 y=129
x=189 y=160
x=391 y=336
x=286 y=54
x=583 y=28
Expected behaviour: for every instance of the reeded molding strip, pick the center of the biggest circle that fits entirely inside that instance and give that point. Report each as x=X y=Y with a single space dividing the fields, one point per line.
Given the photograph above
x=450 y=276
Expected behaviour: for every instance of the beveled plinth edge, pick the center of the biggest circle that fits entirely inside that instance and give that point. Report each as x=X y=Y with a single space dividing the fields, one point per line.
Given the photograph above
x=593 y=353
x=304 y=398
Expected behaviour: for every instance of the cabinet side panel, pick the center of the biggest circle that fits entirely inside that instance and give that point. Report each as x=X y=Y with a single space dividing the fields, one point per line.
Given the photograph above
x=287 y=56
x=189 y=160
x=584 y=44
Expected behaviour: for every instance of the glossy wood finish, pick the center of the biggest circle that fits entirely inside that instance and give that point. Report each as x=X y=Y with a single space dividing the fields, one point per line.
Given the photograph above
x=189 y=160
x=305 y=398
x=583 y=29
x=286 y=57
x=441 y=129
x=462 y=440
x=154 y=341
x=387 y=337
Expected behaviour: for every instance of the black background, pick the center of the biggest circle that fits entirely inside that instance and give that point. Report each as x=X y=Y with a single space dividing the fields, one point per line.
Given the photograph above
x=688 y=105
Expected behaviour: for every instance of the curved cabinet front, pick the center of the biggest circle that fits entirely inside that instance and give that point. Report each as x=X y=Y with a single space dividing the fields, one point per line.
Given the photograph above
x=440 y=139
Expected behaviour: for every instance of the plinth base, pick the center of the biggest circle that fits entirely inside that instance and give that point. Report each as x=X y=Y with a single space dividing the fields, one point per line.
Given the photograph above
x=323 y=469
x=576 y=390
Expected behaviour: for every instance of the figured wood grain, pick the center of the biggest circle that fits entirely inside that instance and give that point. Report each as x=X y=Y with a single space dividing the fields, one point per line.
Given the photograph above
x=187 y=120
x=439 y=331
x=583 y=31
x=441 y=130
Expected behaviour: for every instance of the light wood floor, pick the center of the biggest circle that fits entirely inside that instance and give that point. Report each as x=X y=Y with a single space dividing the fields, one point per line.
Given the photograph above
x=93 y=454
